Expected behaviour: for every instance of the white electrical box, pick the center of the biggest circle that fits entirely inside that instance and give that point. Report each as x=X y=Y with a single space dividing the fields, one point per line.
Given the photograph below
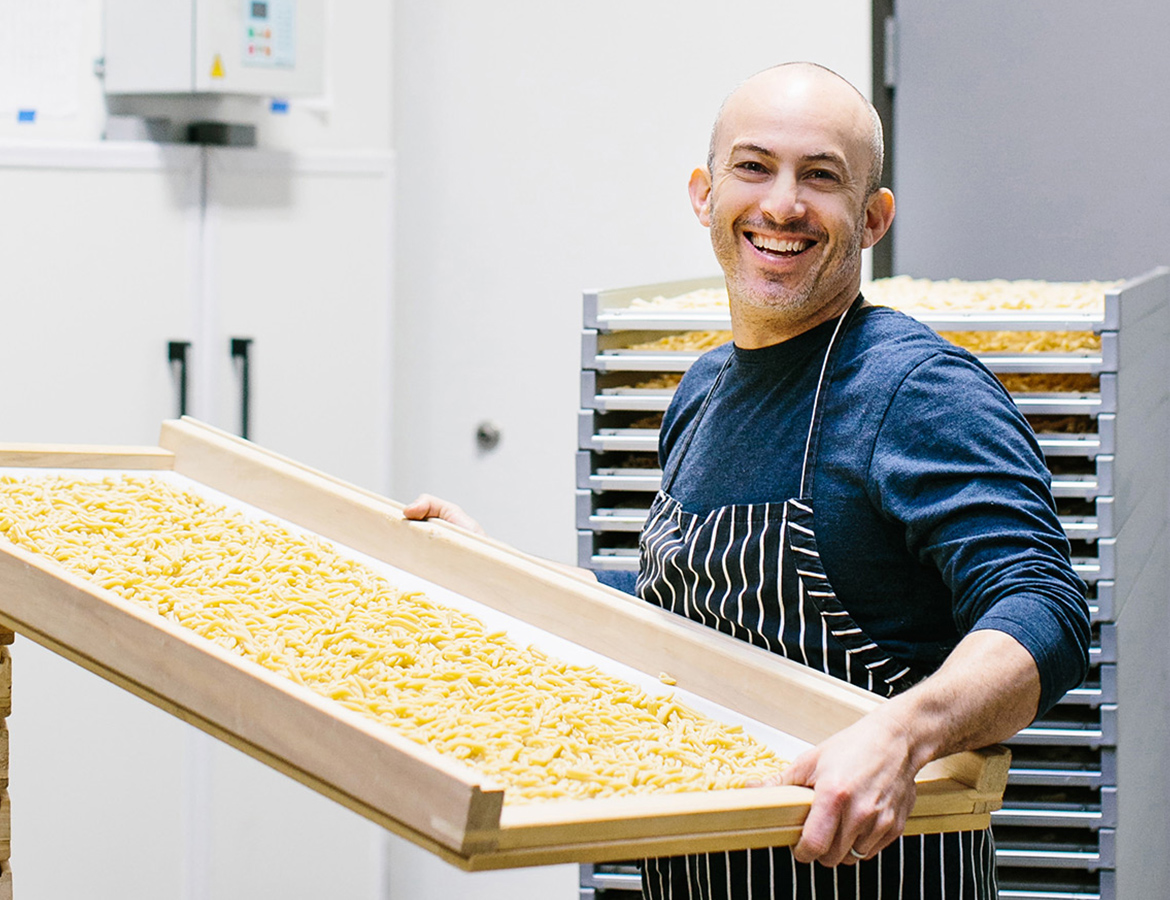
x=271 y=48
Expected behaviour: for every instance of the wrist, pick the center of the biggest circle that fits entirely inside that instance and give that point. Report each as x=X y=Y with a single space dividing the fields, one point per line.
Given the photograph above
x=913 y=730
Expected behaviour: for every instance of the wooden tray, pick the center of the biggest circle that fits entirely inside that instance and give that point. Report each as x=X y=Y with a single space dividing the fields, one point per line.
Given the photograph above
x=434 y=801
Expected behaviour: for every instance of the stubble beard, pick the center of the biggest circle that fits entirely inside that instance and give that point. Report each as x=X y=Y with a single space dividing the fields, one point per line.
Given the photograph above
x=778 y=296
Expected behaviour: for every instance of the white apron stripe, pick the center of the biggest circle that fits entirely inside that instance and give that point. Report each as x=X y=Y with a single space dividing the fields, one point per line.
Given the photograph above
x=782 y=588
x=800 y=607
x=902 y=865
x=942 y=867
x=922 y=868
x=962 y=864
x=707 y=566
x=692 y=592
x=744 y=581
x=761 y=582
x=825 y=644
x=729 y=548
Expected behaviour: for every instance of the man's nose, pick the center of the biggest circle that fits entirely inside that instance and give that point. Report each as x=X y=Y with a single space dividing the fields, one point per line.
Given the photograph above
x=782 y=202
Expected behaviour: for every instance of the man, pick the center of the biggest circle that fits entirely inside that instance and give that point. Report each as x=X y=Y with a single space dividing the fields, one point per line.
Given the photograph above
x=846 y=489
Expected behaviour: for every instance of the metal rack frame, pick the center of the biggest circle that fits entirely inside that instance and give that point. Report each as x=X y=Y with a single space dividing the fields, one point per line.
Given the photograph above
x=1078 y=821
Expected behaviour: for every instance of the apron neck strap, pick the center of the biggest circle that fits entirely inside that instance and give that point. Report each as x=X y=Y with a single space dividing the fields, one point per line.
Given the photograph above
x=814 y=424
x=669 y=474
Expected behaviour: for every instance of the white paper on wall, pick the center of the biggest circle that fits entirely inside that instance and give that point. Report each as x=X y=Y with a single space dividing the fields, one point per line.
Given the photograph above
x=40 y=49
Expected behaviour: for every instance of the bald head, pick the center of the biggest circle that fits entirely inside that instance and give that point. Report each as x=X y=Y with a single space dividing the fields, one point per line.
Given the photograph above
x=807 y=82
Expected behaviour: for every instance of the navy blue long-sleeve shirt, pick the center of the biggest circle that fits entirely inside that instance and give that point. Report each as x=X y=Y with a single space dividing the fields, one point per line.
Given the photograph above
x=932 y=506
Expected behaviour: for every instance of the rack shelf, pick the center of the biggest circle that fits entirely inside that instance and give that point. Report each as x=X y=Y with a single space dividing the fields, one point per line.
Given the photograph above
x=1107 y=451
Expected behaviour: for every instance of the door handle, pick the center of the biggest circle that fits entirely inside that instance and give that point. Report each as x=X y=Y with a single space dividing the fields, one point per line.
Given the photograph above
x=177 y=357
x=241 y=350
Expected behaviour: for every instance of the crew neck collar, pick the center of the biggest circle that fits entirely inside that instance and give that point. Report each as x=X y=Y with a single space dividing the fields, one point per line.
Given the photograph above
x=792 y=349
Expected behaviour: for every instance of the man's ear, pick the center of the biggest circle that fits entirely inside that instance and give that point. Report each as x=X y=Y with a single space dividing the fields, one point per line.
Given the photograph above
x=700 y=188
x=879 y=215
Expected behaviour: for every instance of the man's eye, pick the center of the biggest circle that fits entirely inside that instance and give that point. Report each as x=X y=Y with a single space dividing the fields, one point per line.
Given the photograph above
x=823 y=174
x=751 y=166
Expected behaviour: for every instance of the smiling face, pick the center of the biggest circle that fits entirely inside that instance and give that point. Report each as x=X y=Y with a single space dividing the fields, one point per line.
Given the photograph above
x=789 y=200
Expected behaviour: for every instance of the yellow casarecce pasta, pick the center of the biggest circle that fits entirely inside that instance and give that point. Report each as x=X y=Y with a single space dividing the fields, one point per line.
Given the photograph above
x=296 y=606
x=685 y=341
x=924 y=295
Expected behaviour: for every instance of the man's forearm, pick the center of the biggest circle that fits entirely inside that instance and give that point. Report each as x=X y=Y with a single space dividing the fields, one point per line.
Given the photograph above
x=985 y=691
x=863 y=776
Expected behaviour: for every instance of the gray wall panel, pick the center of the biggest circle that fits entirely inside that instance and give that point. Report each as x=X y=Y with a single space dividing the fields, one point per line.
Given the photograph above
x=1033 y=139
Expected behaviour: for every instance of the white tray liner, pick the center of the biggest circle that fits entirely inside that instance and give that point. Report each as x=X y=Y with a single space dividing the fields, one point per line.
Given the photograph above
x=785 y=745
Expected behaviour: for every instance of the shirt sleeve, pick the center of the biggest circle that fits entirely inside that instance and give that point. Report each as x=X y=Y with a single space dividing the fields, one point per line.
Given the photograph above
x=956 y=462
x=622 y=581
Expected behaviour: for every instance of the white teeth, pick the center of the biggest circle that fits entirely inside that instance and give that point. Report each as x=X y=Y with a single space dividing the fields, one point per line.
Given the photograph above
x=778 y=246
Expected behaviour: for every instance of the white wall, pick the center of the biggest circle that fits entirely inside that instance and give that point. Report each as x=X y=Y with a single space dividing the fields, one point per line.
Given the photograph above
x=541 y=149
x=354 y=112
x=106 y=254
x=544 y=149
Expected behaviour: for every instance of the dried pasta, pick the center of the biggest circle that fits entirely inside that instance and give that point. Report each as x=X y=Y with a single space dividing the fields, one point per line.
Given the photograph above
x=701 y=299
x=686 y=340
x=1024 y=341
x=997 y=295
x=293 y=604
x=925 y=295
x=660 y=382
x=1050 y=382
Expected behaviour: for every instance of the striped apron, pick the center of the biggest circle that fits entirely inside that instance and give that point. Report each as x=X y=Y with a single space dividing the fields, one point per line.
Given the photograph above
x=754 y=572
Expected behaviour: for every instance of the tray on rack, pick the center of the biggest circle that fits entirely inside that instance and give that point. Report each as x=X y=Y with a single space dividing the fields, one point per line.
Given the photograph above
x=438 y=802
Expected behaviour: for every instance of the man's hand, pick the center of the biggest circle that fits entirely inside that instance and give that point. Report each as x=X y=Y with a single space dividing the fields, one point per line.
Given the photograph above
x=863 y=776
x=863 y=780
x=428 y=507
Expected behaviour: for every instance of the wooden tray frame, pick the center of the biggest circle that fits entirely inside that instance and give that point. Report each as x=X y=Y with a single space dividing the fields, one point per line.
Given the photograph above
x=438 y=803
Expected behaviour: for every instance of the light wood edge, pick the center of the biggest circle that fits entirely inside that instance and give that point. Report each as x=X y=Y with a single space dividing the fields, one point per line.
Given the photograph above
x=589 y=614
x=820 y=705
x=480 y=839
x=201 y=442
x=5 y=682
x=623 y=818
x=82 y=456
x=462 y=811
x=984 y=770
x=229 y=439
x=604 y=851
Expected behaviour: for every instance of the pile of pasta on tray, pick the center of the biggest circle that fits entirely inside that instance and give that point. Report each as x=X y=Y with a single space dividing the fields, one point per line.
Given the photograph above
x=924 y=298
x=297 y=606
